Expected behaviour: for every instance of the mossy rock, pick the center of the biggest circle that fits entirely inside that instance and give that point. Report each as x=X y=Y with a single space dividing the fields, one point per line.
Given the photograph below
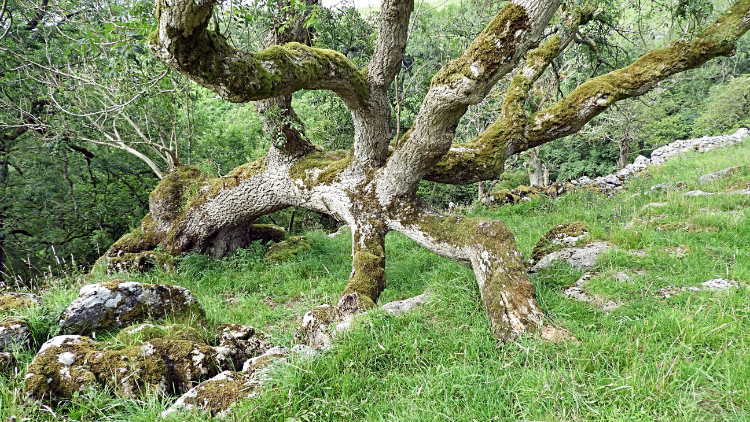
x=140 y=262
x=163 y=365
x=559 y=237
x=217 y=394
x=140 y=333
x=14 y=335
x=16 y=301
x=288 y=249
x=120 y=303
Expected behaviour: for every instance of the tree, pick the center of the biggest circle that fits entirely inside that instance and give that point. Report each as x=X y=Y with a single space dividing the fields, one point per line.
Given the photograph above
x=373 y=186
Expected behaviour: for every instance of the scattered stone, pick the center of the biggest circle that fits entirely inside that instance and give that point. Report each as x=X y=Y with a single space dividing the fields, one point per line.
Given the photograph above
x=525 y=193
x=698 y=193
x=399 y=307
x=288 y=249
x=623 y=277
x=120 y=303
x=218 y=394
x=716 y=285
x=265 y=359
x=712 y=177
x=580 y=258
x=556 y=335
x=578 y=293
x=559 y=237
x=678 y=252
x=14 y=335
x=720 y=284
x=660 y=186
x=655 y=205
x=241 y=342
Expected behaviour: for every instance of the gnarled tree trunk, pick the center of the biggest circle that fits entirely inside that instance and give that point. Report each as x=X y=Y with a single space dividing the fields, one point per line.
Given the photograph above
x=373 y=186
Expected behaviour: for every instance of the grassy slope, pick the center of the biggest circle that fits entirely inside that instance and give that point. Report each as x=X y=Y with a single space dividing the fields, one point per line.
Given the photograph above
x=683 y=358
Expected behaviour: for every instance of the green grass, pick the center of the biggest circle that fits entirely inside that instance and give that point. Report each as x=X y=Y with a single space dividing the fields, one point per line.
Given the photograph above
x=685 y=358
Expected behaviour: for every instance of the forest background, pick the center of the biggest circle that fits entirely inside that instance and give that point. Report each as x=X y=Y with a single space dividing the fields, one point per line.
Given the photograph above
x=90 y=121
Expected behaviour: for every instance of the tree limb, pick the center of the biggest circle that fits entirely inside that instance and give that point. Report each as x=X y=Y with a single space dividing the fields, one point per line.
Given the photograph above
x=183 y=42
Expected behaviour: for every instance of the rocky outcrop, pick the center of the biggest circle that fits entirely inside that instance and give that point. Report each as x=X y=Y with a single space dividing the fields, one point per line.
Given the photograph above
x=165 y=365
x=120 y=303
x=14 y=332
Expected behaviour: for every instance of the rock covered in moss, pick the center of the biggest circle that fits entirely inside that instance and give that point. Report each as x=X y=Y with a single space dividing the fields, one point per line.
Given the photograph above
x=7 y=362
x=288 y=249
x=166 y=365
x=119 y=303
x=14 y=335
x=16 y=301
x=14 y=332
x=559 y=237
x=144 y=332
x=139 y=262
x=241 y=342
x=524 y=193
x=217 y=394
x=57 y=371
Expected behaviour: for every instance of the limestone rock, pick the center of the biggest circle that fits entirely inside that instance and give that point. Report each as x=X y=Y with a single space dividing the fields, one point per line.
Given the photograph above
x=217 y=394
x=581 y=258
x=166 y=365
x=712 y=177
x=556 y=335
x=241 y=342
x=119 y=303
x=719 y=284
x=14 y=335
x=265 y=359
x=559 y=237
x=401 y=306
x=14 y=332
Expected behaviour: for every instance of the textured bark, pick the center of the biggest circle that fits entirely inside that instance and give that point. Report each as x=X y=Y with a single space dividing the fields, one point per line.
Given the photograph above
x=363 y=187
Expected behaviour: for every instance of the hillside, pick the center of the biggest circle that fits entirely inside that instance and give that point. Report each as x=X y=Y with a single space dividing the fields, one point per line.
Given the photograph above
x=666 y=348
